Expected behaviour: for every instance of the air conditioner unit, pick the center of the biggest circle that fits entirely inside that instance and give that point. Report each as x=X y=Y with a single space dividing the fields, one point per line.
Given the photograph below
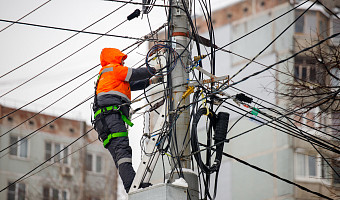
x=67 y=171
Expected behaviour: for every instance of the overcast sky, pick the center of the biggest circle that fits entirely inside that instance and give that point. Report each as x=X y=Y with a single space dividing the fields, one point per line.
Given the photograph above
x=21 y=43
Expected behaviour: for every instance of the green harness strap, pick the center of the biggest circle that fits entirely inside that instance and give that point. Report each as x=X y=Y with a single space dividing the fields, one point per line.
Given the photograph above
x=113 y=135
x=118 y=134
x=125 y=119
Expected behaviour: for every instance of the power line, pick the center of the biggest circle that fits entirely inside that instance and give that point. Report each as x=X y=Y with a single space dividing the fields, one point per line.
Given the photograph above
x=288 y=129
x=273 y=40
x=49 y=92
x=73 y=30
x=60 y=61
x=284 y=115
x=19 y=179
x=276 y=176
x=293 y=113
x=59 y=159
x=262 y=25
x=26 y=15
x=45 y=125
x=279 y=62
x=47 y=107
x=62 y=42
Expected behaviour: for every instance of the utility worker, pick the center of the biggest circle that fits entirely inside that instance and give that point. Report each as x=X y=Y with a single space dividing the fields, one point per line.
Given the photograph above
x=111 y=107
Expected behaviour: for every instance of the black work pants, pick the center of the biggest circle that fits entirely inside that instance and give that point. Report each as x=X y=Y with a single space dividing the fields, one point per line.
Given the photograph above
x=118 y=147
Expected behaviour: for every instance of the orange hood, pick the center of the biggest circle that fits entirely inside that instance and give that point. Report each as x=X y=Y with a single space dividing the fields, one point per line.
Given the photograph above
x=111 y=56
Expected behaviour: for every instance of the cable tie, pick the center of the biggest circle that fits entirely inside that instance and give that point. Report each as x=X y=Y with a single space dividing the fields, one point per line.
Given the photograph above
x=198 y=58
x=255 y=111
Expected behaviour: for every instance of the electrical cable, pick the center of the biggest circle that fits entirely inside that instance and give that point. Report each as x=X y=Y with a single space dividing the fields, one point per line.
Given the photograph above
x=58 y=160
x=60 y=61
x=62 y=41
x=25 y=15
x=276 y=176
x=334 y=170
x=286 y=128
x=279 y=62
x=263 y=25
x=35 y=168
x=15 y=143
x=48 y=92
x=73 y=30
x=288 y=111
x=281 y=33
x=10 y=130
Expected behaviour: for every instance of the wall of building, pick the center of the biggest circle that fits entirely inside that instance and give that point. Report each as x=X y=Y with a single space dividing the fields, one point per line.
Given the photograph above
x=78 y=182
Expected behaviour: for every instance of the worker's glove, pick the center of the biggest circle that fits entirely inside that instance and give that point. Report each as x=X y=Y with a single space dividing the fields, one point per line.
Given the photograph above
x=158 y=67
x=155 y=79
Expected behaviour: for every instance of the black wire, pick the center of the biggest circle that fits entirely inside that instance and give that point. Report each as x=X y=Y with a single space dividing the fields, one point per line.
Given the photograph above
x=73 y=30
x=61 y=42
x=262 y=26
x=294 y=114
x=45 y=125
x=48 y=92
x=279 y=62
x=334 y=170
x=282 y=32
x=19 y=179
x=283 y=128
x=276 y=176
x=59 y=159
x=47 y=107
x=60 y=61
x=289 y=113
x=26 y=15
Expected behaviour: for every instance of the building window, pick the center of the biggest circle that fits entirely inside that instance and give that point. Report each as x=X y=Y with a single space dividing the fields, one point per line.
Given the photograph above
x=51 y=148
x=20 y=149
x=336 y=29
x=16 y=191
x=50 y=193
x=335 y=77
x=307 y=23
x=336 y=166
x=311 y=168
x=336 y=123
x=305 y=69
x=94 y=163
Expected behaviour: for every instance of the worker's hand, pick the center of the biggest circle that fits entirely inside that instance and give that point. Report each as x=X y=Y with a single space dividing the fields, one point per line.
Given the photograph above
x=158 y=67
x=155 y=79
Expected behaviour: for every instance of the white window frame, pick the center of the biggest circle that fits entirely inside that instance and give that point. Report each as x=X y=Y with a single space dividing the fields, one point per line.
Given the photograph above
x=94 y=163
x=334 y=20
x=60 y=193
x=61 y=154
x=16 y=192
x=315 y=179
x=18 y=146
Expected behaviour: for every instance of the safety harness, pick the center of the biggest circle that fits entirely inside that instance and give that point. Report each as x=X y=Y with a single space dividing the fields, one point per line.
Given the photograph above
x=99 y=114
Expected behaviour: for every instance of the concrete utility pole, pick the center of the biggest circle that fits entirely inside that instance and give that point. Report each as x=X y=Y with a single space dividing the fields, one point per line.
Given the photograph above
x=179 y=30
x=179 y=35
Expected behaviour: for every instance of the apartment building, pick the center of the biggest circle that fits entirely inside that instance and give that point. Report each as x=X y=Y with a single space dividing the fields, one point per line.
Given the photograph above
x=58 y=158
x=275 y=151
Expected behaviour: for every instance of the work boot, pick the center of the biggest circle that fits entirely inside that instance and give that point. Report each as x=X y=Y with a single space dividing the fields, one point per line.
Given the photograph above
x=145 y=185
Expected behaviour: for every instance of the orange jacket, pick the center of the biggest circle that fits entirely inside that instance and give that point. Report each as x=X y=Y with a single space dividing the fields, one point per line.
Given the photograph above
x=114 y=77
